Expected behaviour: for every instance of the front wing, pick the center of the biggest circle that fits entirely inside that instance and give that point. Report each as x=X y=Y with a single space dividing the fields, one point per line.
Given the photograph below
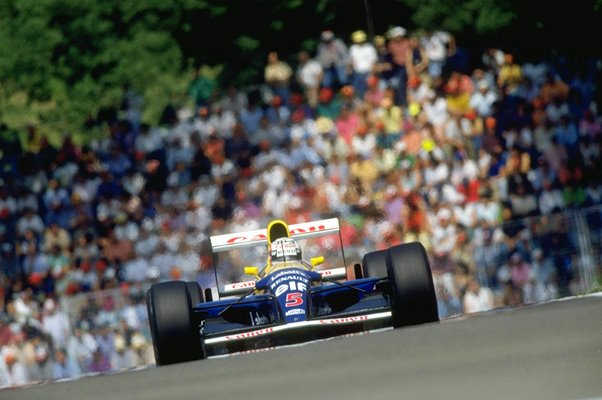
x=362 y=320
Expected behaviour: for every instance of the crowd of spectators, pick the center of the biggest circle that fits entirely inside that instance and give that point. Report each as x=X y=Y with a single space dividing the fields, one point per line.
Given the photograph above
x=402 y=136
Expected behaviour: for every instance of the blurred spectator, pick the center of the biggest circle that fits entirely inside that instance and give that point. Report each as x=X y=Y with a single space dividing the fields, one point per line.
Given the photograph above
x=55 y=323
x=509 y=75
x=277 y=75
x=477 y=298
x=553 y=89
x=363 y=57
x=333 y=55
x=123 y=357
x=63 y=367
x=14 y=372
x=417 y=60
x=438 y=46
x=309 y=75
x=396 y=75
x=490 y=169
x=81 y=347
x=202 y=88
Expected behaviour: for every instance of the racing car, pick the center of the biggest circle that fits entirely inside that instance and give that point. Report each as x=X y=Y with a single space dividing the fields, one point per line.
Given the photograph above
x=290 y=299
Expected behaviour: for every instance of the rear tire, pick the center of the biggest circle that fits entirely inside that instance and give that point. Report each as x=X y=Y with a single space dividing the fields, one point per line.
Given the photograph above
x=374 y=264
x=174 y=333
x=195 y=292
x=413 y=294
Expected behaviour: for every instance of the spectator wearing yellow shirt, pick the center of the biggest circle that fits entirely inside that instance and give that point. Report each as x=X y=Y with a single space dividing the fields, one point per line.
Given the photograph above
x=510 y=75
x=277 y=75
x=363 y=168
x=391 y=116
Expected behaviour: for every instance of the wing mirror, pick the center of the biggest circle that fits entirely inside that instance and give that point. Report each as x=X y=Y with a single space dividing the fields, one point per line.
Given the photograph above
x=253 y=271
x=315 y=261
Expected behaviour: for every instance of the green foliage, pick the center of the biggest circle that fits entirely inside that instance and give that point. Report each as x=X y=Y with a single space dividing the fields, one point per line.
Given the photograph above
x=63 y=60
x=75 y=56
x=480 y=16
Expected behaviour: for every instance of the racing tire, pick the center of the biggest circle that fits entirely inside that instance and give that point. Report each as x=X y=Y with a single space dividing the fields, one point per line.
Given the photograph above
x=374 y=264
x=414 y=299
x=195 y=292
x=175 y=336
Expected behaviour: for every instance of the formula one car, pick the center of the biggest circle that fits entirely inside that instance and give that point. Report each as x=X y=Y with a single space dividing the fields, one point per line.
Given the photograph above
x=289 y=300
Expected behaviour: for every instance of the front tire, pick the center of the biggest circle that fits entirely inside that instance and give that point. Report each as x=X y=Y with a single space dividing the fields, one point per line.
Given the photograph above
x=174 y=333
x=413 y=294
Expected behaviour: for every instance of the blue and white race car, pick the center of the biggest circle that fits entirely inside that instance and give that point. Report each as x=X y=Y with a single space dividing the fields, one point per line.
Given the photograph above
x=290 y=299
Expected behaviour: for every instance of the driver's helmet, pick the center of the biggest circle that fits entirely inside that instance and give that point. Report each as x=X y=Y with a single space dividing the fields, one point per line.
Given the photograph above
x=285 y=249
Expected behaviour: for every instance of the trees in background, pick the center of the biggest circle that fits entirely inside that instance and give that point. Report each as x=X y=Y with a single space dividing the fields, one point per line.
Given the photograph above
x=61 y=61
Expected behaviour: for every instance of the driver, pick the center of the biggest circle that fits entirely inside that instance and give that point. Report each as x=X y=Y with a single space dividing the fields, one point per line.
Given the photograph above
x=285 y=249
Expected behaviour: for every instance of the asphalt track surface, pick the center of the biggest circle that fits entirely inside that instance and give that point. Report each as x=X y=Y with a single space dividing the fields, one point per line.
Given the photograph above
x=548 y=351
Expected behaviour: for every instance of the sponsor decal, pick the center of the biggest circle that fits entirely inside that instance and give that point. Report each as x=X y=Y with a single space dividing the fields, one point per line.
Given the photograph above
x=285 y=247
x=242 y=285
x=317 y=228
x=247 y=335
x=295 y=311
x=289 y=280
x=345 y=320
x=262 y=236
x=237 y=239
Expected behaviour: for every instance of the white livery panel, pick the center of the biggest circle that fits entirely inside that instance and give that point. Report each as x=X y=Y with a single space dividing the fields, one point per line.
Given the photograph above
x=231 y=241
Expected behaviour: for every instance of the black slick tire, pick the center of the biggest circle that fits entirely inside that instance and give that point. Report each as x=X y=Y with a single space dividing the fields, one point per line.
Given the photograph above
x=413 y=294
x=175 y=336
x=374 y=264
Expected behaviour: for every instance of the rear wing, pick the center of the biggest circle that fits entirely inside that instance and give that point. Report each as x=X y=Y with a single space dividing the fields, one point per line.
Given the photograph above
x=303 y=230
x=233 y=241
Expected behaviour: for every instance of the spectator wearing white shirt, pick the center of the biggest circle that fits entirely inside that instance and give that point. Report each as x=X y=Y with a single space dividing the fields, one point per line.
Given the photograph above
x=133 y=182
x=147 y=241
x=123 y=357
x=363 y=56
x=203 y=124
x=483 y=99
x=13 y=370
x=309 y=76
x=436 y=111
x=364 y=142
x=444 y=235
x=30 y=221
x=223 y=121
x=85 y=188
x=477 y=298
x=419 y=91
x=438 y=45
x=550 y=199
x=488 y=209
x=56 y=323
x=81 y=346
x=205 y=193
